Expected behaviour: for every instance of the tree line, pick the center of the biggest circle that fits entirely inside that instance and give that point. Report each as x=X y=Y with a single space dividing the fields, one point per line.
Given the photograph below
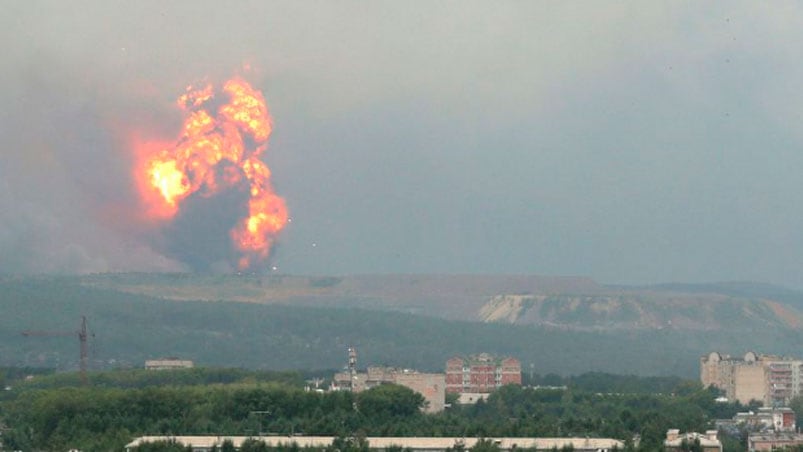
x=39 y=416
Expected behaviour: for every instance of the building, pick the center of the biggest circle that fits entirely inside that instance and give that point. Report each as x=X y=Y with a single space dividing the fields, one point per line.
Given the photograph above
x=481 y=373
x=773 y=441
x=769 y=379
x=767 y=419
x=168 y=363
x=379 y=444
x=431 y=386
x=677 y=442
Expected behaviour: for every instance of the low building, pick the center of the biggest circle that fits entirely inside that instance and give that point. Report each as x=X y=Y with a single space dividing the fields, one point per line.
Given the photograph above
x=168 y=363
x=773 y=441
x=379 y=444
x=763 y=420
x=767 y=419
x=678 y=442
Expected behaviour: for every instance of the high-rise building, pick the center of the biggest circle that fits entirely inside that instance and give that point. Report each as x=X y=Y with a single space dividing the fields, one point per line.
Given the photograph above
x=481 y=373
x=772 y=380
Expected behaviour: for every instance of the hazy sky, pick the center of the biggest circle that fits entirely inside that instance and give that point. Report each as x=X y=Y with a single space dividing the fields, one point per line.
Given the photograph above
x=633 y=142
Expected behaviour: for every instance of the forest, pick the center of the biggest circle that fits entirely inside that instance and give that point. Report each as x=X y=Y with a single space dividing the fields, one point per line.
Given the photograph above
x=58 y=412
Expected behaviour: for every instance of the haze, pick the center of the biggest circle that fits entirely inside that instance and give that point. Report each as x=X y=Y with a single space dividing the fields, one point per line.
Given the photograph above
x=629 y=142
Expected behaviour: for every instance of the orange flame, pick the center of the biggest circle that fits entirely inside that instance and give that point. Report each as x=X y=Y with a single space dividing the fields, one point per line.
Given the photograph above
x=217 y=149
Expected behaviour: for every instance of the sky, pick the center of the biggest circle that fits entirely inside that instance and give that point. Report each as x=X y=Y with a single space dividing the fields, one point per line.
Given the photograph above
x=629 y=142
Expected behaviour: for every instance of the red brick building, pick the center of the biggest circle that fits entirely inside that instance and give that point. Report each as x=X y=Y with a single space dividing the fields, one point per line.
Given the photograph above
x=481 y=373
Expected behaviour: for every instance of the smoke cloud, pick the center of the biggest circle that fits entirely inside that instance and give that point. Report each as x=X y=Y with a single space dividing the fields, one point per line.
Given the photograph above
x=632 y=143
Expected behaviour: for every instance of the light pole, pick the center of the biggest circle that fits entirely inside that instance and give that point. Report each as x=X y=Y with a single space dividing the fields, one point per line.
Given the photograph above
x=260 y=414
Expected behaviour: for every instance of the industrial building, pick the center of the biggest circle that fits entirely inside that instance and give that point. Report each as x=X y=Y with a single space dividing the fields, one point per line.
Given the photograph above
x=770 y=379
x=431 y=386
x=379 y=444
x=481 y=373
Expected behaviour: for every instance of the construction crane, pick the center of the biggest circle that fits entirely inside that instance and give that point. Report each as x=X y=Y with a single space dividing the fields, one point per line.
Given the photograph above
x=82 y=334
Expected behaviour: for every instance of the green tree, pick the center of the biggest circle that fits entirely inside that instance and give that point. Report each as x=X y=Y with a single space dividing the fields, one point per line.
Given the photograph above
x=253 y=445
x=485 y=445
x=388 y=401
x=162 y=446
x=227 y=446
x=691 y=446
x=349 y=444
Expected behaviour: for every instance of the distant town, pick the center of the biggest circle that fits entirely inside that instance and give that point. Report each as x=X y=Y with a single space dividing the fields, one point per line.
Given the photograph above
x=766 y=383
x=431 y=366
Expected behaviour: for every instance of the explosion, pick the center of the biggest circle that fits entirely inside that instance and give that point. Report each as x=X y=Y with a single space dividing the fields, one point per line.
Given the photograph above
x=219 y=147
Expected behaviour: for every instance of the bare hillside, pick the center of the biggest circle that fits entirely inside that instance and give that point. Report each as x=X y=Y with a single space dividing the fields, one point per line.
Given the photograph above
x=568 y=303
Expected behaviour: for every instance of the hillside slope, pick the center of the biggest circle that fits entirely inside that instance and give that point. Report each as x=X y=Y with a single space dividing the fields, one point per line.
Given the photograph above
x=568 y=303
x=129 y=328
x=641 y=311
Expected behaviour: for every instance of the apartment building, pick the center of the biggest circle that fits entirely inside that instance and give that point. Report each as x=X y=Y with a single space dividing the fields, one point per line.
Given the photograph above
x=481 y=373
x=770 y=379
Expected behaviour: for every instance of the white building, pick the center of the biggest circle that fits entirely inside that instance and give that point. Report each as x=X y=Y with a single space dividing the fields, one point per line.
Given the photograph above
x=377 y=444
x=676 y=441
x=168 y=363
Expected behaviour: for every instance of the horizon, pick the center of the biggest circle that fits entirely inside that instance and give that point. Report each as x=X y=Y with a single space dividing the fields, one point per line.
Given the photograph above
x=246 y=274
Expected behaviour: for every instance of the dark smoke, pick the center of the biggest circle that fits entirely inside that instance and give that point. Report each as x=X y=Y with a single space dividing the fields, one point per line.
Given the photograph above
x=199 y=235
x=68 y=202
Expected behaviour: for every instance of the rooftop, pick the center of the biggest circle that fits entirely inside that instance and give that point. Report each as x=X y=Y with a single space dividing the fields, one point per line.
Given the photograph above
x=415 y=443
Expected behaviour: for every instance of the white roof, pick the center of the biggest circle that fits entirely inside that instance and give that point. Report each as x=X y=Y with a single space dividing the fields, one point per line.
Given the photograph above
x=705 y=441
x=385 y=442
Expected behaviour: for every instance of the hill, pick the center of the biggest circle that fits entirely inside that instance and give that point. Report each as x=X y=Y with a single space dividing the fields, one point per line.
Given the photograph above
x=569 y=303
x=302 y=331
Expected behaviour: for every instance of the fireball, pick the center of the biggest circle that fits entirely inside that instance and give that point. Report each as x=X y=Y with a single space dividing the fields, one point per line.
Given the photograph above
x=219 y=146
